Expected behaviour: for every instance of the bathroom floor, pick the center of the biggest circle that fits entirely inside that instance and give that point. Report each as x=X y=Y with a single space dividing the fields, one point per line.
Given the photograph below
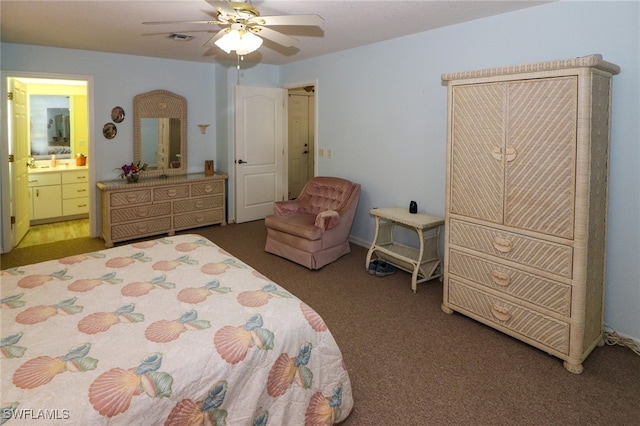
x=52 y=232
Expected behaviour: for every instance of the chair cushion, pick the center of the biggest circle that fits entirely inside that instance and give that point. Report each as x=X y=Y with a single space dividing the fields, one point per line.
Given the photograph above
x=299 y=224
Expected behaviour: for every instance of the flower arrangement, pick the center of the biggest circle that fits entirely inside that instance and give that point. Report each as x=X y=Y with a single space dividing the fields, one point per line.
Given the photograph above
x=131 y=172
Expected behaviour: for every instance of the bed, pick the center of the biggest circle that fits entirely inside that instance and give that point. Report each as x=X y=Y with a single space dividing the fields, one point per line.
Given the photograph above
x=168 y=331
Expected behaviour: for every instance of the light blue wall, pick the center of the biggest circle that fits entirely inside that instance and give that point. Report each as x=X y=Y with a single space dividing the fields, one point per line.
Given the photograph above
x=382 y=110
x=116 y=80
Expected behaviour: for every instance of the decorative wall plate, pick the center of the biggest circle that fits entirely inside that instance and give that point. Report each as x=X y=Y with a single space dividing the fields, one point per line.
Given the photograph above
x=117 y=114
x=109 y=130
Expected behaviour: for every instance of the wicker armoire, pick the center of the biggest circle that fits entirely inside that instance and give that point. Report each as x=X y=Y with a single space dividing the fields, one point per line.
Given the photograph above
x=526 y=201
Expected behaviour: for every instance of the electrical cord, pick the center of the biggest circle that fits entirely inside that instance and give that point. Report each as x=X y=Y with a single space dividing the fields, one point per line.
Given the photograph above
x=612 y=338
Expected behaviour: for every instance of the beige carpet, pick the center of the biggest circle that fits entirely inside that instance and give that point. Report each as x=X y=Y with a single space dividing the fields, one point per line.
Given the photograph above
x=411 y=364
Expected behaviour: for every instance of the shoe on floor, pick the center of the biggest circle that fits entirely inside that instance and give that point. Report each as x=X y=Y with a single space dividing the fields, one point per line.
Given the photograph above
x=385 y=269
x=373 y=266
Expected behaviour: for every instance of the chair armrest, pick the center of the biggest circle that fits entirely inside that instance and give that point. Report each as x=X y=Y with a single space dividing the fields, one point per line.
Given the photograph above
x=284 y=208
x=327 y=219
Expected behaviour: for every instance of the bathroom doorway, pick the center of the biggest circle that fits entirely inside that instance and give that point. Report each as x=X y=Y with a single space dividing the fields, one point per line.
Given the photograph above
x=43 y=155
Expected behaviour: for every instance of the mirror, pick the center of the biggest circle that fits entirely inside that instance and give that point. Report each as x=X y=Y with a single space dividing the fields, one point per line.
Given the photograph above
x=50 y=127
x=160 y=132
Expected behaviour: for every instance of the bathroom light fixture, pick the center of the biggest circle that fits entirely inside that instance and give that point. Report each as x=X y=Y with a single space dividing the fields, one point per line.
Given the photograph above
x=238 y=38
x=203 y=128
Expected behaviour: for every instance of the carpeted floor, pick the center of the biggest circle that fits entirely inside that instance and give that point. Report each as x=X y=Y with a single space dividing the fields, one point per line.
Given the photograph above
x=412 y=364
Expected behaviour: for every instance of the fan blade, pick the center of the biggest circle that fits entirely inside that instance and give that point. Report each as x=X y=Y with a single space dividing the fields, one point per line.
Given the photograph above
x=183 y=22
x=288 y=20
x=275 y=36
x=222 y=6
x=213 y=39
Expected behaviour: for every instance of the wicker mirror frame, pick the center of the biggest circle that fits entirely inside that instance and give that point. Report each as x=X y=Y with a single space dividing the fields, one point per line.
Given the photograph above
x=160 y=104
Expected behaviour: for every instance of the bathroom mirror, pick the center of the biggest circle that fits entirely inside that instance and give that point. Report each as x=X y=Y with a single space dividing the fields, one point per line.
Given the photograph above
x=160 y=132
x=50 y=127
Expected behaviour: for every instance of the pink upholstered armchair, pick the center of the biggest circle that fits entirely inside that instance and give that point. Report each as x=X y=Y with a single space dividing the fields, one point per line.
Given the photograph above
x=313 y=230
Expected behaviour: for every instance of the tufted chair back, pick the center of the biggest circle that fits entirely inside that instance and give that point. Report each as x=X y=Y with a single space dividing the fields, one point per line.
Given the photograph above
x=326 y=193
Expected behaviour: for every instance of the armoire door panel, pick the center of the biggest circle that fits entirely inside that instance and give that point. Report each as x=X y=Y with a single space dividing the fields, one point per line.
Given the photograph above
x=540 y=171
x=476 y=154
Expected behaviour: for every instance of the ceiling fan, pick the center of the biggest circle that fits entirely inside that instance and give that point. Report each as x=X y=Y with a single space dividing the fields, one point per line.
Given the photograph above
x=243 y=28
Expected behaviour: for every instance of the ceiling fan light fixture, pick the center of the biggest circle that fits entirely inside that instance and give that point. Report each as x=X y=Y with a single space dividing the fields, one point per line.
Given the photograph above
x=239 y=39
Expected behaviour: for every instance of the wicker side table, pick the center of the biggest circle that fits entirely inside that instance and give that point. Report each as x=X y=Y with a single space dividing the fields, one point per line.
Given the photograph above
x=421 y=262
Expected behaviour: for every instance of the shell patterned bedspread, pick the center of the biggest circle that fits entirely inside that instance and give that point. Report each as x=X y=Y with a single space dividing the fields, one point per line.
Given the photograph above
x=169 y=331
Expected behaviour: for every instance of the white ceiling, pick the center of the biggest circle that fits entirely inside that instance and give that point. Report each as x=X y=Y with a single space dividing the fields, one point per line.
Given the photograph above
x=116 y=26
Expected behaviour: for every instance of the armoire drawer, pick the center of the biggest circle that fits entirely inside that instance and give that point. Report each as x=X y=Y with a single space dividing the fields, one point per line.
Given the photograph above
x=547 y=256
x=140 y=212
x=171 y=193
x=533 y=325
x=197 y=204
x=545 y=293
x=199 y=218
x=127 y=198
x=141 y=228
x=207 y=188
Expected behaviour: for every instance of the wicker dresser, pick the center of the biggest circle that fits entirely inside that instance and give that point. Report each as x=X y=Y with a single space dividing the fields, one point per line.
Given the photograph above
x=161 y=205
x=526 y=201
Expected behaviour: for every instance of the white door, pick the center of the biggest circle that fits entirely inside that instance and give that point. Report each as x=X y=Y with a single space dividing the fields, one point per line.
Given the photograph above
x=260 y=121
x=19 y=175
x=299 y=143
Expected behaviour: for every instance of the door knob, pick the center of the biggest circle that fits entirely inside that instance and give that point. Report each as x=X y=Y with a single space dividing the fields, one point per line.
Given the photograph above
x=241 y=162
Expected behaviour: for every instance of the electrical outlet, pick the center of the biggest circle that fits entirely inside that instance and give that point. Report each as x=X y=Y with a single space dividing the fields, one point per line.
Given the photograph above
x=321 y=152
x=329 y=153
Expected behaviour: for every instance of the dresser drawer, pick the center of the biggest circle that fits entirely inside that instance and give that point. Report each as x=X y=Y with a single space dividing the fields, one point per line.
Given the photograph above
x=200 y=218
x=207 y=188
x=545 y=255
x=128 y=198
x=75 y=206
x=139 y=229
x=497 y=311
x=196 y=204
x=140 y=212
x=171 y=193
x=75 y=176
x=75 y=190
x=546 y=293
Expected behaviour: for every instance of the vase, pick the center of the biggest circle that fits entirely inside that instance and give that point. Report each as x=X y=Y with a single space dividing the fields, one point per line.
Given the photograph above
x=132 y=177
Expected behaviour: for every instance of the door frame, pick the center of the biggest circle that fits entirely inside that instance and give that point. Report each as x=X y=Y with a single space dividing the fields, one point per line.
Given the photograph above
x=5 y=140
x=296 y=85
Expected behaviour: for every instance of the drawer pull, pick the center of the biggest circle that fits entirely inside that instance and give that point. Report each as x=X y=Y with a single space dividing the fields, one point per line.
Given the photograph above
x=143 y=228
x=81 y=190
x=199 y=204
x=172 y=192
x=500 y=312
x=496 y=152
x=208 y=188
x=200 y=219
x=143 y=212
x=511 y=154
x=81 y=177
x=131 y=197
x=82 y=205
x=502 y=244
x=500 y=278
